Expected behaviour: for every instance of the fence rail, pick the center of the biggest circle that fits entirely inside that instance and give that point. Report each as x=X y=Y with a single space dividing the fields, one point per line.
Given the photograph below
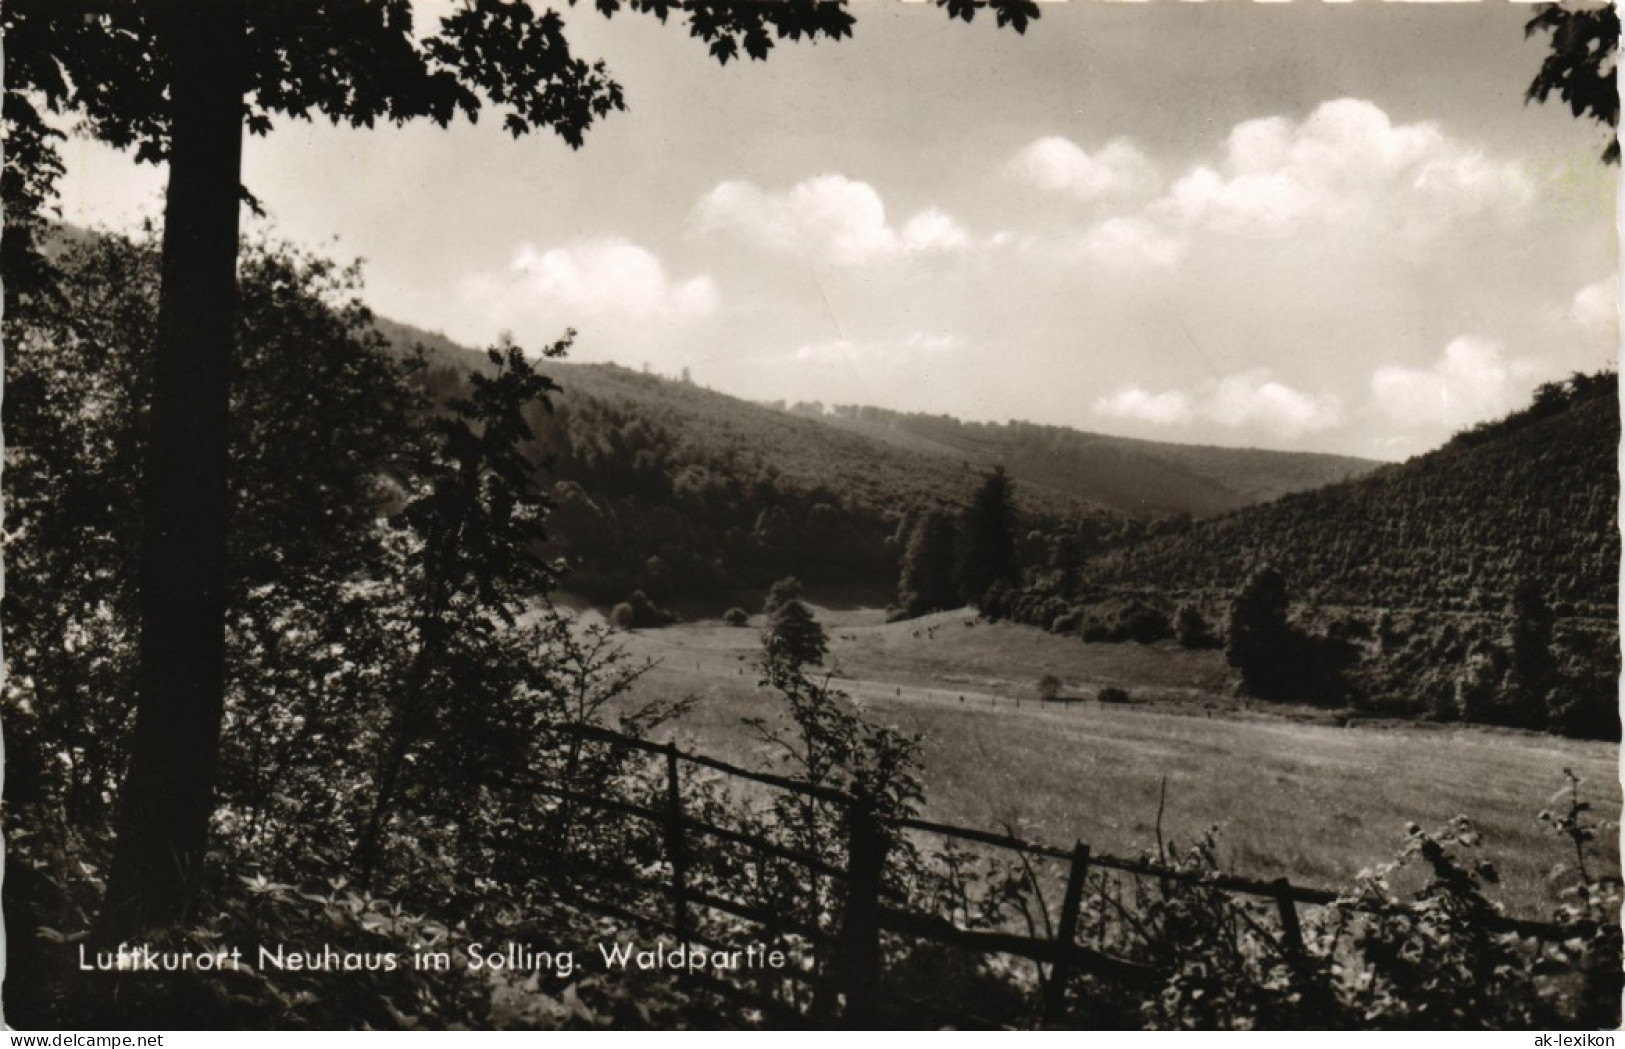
x=856 y=976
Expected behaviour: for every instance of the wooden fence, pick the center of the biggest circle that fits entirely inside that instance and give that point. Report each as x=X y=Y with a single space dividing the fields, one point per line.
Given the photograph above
x=849 y=987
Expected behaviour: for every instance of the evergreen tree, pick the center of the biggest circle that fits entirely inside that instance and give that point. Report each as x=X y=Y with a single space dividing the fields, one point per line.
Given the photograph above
x=928 y=583
x=987 y=538
x=1259 y=641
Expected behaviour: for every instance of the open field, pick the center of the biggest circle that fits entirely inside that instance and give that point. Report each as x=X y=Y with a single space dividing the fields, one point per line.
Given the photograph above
x=1311 y=800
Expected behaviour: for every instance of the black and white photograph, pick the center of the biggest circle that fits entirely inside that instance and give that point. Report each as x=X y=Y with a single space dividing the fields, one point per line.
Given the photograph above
x=791 y=515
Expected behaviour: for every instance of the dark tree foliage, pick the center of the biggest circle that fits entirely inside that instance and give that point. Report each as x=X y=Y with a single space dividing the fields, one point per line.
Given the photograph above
x=987 y=539
x=1526 y=677
x=1257 y=632
x=470 y=572
x=1191 y=629
x=1533 y=666
x=388 y=710
x=781 y=593
x=327 y=600
x=637 y=612
x=79 y=373
x=1581 y=67
x=928 y=582
x=828 y=743
x=1145 y=624
x=1277 y=660
x=717 y=520
x=795 y=640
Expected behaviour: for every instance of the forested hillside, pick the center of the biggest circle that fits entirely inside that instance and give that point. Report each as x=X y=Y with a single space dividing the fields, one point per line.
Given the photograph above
x=691 y=496
x=1534 y=495
x=1478 y=581
x=688 y=495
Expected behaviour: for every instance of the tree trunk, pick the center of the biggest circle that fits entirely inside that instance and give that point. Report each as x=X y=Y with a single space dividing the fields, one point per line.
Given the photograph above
x=168 y=792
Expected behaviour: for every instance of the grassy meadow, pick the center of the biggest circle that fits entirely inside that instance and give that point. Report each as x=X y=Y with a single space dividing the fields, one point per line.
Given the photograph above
x=1292 y=793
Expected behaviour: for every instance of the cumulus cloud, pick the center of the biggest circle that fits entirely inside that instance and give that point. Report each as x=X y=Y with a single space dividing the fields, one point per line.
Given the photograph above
x=604 y=278
x=1346 y=168
x=1346 y=165
x=1255 y=400
x=1168 y=408
x=1132 y=244
x=1251 y=400
x=1055 y=164
x=910 y=349
x=1595 y=307
x=830 y=217
x=933 y=230
x=1472 y=380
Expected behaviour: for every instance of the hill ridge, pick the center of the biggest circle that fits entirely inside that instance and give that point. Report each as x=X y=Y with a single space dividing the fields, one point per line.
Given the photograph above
x=1080 y=470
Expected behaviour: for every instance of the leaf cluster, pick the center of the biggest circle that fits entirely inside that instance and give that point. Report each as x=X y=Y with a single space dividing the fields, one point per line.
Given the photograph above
x=1581 y=66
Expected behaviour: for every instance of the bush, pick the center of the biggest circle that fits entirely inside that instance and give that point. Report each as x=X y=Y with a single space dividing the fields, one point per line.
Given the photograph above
x=1191 y=629
x=736 y=616
x=637 y=611
x=781 y=593
x=1114 y=695
x=1144 y=624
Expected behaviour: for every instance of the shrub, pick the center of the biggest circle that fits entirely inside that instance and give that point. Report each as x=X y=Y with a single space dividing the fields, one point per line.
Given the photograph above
x=782 y=593
x=1191 y=629
x=736 y=616
x=1143 y=624
x=1069 y=623
x=1114 y=695
x=637 y=611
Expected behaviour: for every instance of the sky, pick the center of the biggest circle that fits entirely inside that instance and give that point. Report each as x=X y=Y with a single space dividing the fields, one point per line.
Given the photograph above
x=1330 y=227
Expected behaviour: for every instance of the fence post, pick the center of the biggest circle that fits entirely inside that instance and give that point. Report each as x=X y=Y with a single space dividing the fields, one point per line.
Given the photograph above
x=1291 y=932
x=859 y=973
x=1066 y=935
x=674 y=848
